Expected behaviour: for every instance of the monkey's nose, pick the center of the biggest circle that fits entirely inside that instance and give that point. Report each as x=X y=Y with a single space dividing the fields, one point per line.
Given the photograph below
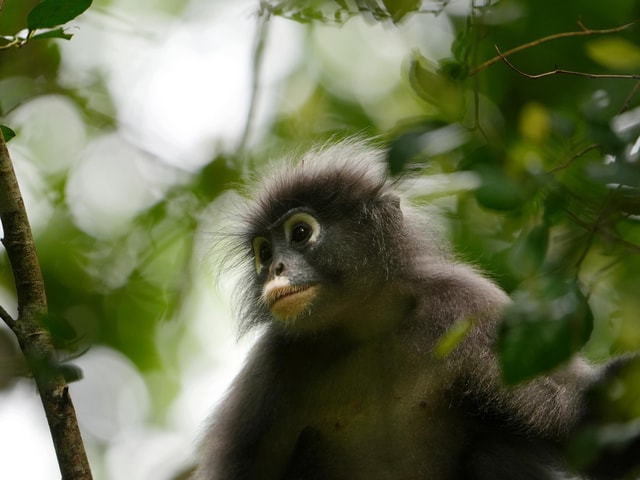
x=279 y=269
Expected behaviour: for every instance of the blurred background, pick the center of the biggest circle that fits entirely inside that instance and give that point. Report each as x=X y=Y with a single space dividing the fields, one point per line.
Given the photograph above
x=129 y=134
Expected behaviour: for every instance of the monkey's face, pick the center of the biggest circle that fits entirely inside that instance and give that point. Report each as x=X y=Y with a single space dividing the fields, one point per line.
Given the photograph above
x=320 y=240
x=316 y=270
x=289 y=282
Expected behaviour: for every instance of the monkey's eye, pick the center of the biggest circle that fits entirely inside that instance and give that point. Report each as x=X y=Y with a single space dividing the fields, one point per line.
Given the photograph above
x=262 y=252
x=301 y=228
x=301 y=233
x=265 y=252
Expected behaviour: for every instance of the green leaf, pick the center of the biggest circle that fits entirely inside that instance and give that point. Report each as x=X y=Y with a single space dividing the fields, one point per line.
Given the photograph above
x=614 y=442
x=555 y=203
x=7 y=133
x=51 y=13
x=57 y=33
x=402 y=151
x=453 y=70
x=70 y=372
x=528 y=253
x=498 y=191
x=63 y=333
x=461 y=46
x=437 y=88
x=544 y=327
x=398 y=9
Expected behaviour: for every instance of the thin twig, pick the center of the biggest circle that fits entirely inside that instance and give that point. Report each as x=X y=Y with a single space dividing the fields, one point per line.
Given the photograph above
x=8 y=319
x=258 y=54
x=557 y=71
x=582 y=32
x=627 y=101
x=15 y=43
x=573 y=157
x=595 y=228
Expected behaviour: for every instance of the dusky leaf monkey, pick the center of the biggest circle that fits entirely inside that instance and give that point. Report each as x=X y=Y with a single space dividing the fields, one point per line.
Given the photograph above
x=354 y=295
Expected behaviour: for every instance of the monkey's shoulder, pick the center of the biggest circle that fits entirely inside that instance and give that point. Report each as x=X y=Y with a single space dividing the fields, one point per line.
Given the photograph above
x=448 y=292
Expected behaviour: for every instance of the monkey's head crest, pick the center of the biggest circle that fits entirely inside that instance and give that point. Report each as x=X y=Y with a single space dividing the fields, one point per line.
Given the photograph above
x=333 y=179
x=313 y=228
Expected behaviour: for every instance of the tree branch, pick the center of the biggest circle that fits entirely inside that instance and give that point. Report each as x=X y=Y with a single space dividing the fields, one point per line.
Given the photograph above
x=557 y=71
x=35 y=342
x=582 y=32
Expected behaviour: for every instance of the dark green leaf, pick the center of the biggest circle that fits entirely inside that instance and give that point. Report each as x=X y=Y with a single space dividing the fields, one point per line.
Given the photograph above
x=555 y=203
x=51 y=13
x=453 y=70
x=610 y=447
x=7 y=133
x=57 y=33
x=423 y=140
x=70 y=372
x=544 y=327
x=627 y=199
x=63 y=333
x=528 y=253
x=498 y=191
x=398 y=9
x=402 y=151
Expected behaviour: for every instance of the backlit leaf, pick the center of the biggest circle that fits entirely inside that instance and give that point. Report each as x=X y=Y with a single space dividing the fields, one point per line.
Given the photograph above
x=614 y=53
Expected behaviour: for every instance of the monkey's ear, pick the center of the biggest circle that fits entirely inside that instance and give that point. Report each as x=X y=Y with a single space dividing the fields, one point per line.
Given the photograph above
x=390 y=204
x=392 y=200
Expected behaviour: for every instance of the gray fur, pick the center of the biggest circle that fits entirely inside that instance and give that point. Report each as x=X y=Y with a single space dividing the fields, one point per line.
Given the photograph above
x=352 y=389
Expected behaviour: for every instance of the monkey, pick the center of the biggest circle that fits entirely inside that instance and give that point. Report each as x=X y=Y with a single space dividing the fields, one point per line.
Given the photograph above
x=352 y=292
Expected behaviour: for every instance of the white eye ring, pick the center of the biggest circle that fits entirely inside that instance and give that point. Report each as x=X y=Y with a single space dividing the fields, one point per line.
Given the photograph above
x=258 y=244
x=305 y=218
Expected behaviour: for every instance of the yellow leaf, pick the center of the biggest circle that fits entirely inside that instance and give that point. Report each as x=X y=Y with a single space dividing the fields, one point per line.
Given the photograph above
x=534 y=122
x=614 y=53
x=454 y=336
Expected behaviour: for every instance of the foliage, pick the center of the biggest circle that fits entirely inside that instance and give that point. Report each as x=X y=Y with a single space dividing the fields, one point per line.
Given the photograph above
x=44 y=17
x=338 y=11
x=536 y=109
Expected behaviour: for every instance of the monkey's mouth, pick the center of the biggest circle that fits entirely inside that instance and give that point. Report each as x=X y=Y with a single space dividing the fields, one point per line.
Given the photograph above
x=286 y=302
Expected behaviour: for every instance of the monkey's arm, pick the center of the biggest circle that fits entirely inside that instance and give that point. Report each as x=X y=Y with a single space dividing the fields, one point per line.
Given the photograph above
x=546 y=407
x=235 y=447
x=549 y=406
